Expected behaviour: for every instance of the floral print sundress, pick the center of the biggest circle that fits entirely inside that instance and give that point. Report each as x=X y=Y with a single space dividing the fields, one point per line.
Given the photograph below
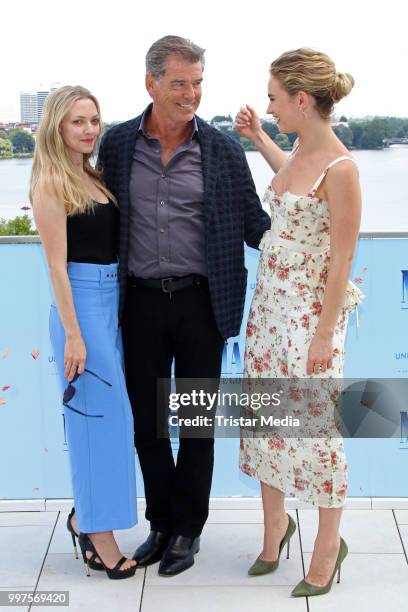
x=284 y=313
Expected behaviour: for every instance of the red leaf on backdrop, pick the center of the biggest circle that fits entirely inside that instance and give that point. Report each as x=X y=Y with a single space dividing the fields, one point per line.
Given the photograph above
x=6 y=388
x=35 y=353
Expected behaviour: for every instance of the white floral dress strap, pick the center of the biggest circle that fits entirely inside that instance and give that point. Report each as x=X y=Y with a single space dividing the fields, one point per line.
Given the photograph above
x=294 y=147
x=325 y=171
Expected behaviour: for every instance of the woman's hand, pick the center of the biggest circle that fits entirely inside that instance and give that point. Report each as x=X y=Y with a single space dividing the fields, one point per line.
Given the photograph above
x=74 y=356
x=248 y=123
x=320 y=356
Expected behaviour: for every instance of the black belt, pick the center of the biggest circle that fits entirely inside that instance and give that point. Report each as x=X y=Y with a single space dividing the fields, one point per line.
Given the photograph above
x=170 y=284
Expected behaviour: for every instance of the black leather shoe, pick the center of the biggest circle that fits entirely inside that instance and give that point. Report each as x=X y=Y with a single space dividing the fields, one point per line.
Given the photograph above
x=152 y=549
x=179 y=555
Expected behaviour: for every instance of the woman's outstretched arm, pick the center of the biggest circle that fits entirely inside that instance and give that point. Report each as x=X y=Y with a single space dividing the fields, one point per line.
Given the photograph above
x=249 y=125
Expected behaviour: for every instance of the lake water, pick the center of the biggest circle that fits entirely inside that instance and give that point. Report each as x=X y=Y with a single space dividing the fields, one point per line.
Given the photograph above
x=384 y=184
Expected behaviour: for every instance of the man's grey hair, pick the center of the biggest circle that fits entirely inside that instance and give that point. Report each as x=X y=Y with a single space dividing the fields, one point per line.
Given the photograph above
x=171 y=45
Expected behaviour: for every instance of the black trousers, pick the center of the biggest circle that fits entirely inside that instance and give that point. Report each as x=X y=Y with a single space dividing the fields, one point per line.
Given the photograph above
x=157 y=328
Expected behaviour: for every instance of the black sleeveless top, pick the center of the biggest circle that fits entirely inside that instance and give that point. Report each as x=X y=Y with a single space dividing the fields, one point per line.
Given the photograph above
x=93 y=237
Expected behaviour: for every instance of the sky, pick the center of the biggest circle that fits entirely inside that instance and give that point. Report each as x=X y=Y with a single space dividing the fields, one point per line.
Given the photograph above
x=102 y=45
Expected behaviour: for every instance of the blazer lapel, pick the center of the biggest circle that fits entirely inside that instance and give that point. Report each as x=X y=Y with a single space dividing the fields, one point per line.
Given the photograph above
x=210 y=152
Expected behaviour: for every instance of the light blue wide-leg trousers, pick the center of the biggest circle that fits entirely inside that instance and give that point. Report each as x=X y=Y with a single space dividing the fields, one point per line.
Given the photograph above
x=97 y=411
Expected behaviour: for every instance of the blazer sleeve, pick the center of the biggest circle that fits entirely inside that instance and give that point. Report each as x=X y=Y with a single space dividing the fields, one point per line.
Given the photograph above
x=256 y=220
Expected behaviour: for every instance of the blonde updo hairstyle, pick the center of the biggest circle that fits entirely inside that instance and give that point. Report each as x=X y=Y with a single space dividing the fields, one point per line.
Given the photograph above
x=314 y=72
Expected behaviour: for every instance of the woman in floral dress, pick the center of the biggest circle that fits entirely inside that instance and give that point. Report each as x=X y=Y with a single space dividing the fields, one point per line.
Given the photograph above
x=298 y=317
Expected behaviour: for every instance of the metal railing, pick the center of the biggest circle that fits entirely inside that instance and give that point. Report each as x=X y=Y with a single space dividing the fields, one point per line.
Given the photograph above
x=362 y=236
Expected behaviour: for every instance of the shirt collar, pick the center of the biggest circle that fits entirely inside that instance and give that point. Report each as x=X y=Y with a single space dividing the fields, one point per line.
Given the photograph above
x=194 y=132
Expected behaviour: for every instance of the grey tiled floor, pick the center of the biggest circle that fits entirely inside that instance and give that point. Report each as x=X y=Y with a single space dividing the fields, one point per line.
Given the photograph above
x=36 y=553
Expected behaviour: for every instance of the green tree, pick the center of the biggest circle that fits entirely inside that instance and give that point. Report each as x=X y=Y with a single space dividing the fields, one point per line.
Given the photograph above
x=282 y=141
x=3 y=134
x=19 y=226
x=219 y=118
x=384 y=125
x=345 y=134
x=270 y=128
x=232 y=134
x=6 y=149
x=373 y=135
x=107 y=126
x=22 y=142
x=244 y=142
x=292 y=137
x=357 y=134
x=343 y=119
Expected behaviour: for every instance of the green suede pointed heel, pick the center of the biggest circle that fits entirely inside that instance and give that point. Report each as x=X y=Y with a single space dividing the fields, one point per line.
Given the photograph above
x=305 y=589
x=260 y=566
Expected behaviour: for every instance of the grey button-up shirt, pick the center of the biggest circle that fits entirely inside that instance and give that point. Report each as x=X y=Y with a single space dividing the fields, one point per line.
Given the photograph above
x=167 y=223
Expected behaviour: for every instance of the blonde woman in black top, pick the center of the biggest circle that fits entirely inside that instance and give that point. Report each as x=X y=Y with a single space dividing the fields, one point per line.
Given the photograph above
x=77 y=218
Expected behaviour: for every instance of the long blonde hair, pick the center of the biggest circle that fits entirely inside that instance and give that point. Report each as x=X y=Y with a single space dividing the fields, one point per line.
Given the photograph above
x=314 y=72
x=52 y=163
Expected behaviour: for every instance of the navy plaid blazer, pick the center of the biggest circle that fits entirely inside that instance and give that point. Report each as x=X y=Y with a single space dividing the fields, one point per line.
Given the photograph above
x=233 y=213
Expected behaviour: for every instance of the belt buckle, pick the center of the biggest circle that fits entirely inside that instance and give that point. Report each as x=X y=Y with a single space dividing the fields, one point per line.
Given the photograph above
x=164 y=282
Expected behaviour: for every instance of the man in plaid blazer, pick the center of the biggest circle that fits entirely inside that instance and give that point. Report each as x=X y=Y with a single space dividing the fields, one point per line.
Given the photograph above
x=187 y=205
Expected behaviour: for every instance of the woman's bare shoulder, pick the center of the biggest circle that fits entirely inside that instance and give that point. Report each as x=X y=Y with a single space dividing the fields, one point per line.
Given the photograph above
x=46 y=195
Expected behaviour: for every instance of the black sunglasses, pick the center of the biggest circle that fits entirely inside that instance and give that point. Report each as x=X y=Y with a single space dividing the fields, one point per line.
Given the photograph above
x=70 y=392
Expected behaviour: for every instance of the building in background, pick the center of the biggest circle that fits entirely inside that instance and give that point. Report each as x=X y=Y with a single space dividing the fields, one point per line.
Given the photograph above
x=28 y=107
x=41 y=97
x=32 y=103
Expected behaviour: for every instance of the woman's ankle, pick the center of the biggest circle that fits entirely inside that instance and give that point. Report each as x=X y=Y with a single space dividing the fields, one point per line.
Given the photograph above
x=276 y=519
x=102 y=537
x=327 y=543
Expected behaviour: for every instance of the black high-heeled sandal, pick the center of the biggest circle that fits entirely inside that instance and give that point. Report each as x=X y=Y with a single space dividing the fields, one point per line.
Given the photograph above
x=114 y=573
x=92 y=562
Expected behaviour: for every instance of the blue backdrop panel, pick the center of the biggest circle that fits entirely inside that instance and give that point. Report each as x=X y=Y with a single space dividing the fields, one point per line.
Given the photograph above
x=33 y=452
